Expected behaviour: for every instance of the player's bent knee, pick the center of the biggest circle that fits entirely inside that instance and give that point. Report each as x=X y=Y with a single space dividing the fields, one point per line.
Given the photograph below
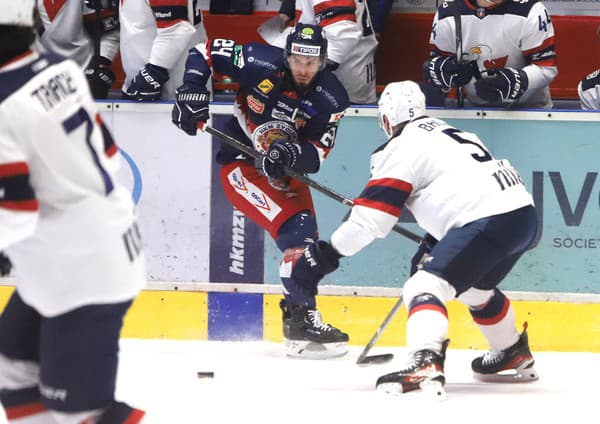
x=475 y=298
x=425 y=282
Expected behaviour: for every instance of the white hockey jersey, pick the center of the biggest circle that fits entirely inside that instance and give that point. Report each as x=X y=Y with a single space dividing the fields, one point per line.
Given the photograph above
x=351 y=42
x=589 y=91
x=518 y=34
x=65 y=222
x=64 y=32
x=159 y=32
x=444 y=176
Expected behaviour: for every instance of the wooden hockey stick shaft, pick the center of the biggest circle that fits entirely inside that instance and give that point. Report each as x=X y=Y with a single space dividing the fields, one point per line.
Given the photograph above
x=302 y=178
x=363 y=358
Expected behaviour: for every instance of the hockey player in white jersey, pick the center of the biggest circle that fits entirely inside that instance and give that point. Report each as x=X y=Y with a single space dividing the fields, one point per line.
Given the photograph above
x=588 y=90
x=70 y=231
x=70 y=28
x=352 y=43
x=155 y=38
x=508 y=56
x=478 y=209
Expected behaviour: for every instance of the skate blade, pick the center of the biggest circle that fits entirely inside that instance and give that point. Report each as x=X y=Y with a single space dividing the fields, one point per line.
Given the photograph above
x=431 y=391
x=305 y=349
x=518 y=375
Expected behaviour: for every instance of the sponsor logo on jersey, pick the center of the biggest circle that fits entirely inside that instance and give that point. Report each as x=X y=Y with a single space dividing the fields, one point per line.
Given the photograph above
x=334 y=117
x=265 y=86
x=238 y=57
x=271 y=131
x=255 y=105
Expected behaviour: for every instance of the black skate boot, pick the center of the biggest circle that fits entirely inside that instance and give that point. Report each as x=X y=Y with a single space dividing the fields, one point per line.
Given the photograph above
x=306 y=336
x=511 y=365
x=425 y=371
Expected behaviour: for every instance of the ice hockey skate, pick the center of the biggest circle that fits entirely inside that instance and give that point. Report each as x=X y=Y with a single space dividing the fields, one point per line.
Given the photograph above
x=307 y=337
x=425 y=371
x=511 y=365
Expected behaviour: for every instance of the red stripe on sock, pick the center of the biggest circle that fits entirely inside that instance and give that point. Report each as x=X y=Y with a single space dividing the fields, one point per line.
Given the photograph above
x=428 y=307
x=22 y=411
x=135 y=417
x=495 y=319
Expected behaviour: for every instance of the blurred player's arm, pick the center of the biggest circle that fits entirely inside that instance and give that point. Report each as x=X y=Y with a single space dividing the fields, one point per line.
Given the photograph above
x=18 y=203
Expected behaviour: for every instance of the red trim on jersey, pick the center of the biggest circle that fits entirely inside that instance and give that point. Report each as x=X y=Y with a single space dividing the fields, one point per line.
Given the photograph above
x=21 y=205
x=16 y=168
x=428 y=307
x=22 y=411
x=380 y=206
x=440 y=52
x=16 y=58
x=168 y=24
x=135 y=417
x=159 y=3
x=547 y=43
x=391 y=182
x=322 y=7
x=495 y=319
x=546 y=62
x=53 y=7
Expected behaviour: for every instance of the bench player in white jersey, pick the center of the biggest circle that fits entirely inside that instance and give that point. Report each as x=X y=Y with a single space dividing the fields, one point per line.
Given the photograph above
x=352 y=43
x=155 y=38
x=588 y=90
x=70 y=28
x=69 y=229
x=508 y=57
x=478 y=209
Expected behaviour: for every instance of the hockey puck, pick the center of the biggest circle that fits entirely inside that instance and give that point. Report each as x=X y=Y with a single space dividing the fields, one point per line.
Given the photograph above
x=205 y=374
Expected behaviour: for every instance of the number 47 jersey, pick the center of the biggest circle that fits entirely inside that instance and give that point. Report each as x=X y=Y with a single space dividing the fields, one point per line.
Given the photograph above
x=446 y=177
x=66 y=224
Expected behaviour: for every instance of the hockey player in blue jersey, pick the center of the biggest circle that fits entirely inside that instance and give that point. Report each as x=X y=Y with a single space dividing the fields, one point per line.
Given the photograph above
x=288 y=107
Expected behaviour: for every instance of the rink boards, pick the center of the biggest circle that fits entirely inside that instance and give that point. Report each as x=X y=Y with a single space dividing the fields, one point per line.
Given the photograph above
x=196 y=315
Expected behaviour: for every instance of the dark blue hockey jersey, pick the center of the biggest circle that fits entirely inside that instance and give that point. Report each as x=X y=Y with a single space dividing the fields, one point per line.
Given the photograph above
x=267 y=106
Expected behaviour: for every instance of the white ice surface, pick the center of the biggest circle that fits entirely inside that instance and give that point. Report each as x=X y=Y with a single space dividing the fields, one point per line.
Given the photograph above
x=255 y=383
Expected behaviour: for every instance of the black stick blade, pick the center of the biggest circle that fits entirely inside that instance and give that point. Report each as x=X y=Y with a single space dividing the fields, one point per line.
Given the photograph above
x=375 y=359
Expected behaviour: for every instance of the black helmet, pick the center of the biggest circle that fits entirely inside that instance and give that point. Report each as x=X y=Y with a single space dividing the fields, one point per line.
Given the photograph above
x=307 y=40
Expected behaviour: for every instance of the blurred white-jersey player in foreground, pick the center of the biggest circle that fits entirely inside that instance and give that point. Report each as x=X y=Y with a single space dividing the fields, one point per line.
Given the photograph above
x=70 y=231
x=478 y=209
x=588 y=90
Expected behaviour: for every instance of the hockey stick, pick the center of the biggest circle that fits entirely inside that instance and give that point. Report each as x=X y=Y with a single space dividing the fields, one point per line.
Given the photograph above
x=302 y=178
x=97 y=27
x=459 y=49
x=363 y=359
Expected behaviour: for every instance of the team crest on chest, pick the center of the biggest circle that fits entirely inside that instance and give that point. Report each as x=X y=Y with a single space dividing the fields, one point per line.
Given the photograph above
x=271 y=131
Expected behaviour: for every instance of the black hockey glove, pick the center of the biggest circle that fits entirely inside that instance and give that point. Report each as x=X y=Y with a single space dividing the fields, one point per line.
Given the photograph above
x=190 y=110
x=423 y=251
x=103 y=4
x=5 y=265
x=319 y=259
x=147 y=84
x=445 y=72
x=99 y=76
x=502 y=84
x=281 y=154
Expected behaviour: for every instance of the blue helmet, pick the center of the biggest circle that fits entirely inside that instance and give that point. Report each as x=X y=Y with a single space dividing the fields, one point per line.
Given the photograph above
x=307 y=40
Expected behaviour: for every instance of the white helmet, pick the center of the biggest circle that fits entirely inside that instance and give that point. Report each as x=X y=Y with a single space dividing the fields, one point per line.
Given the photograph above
x=400 y=102
x=17 y=12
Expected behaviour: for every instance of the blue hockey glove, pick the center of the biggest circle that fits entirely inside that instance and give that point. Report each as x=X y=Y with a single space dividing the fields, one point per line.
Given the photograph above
x=147 y=84
x=319 y=259
x=445 y=72
x=99 y=76
x=281 y=154
x=423 y=251
x=502 y=84
x=190 y=110
x=5 y=265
